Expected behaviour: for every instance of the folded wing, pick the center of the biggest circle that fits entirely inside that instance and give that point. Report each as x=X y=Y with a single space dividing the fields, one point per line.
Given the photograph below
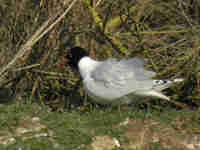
x=125 y=75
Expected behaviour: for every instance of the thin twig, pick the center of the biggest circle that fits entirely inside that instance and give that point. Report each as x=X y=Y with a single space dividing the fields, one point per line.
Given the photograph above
x=28 y=45
x=98 y=3
x=26 y=67
x=184 y=14
x=57 y=21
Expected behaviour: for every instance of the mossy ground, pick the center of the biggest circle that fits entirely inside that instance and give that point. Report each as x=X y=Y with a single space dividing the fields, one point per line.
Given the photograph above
x=98 y=128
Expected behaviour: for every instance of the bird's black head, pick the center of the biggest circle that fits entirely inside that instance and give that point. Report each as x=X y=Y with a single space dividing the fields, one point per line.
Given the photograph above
x=74 y=55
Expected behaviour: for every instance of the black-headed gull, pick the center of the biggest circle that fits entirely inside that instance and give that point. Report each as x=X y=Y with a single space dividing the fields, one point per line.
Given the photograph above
x=117 y=81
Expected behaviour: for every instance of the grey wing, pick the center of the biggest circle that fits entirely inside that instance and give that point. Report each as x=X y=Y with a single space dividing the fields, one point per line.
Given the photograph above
x=125 y=75
x=136 y=65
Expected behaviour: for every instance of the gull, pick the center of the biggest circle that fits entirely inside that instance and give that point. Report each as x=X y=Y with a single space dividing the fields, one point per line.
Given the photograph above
x=116 y=82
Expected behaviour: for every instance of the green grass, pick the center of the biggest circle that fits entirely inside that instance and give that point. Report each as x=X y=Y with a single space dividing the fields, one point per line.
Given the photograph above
x=76 y=129
x=72 y=128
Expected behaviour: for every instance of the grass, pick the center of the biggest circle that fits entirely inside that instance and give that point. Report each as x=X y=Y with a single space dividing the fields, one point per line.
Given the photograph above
x=85 y=130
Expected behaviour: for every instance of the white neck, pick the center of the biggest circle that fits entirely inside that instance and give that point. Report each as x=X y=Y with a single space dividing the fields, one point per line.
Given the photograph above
x=86 y=65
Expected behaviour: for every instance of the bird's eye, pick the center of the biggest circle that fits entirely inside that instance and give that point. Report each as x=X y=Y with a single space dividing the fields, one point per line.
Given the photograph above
x=160 y=81
x=164 y=81
x=157 y=81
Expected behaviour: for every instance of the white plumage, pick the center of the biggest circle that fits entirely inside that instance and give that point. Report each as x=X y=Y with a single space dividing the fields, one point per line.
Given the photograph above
x=119 y=82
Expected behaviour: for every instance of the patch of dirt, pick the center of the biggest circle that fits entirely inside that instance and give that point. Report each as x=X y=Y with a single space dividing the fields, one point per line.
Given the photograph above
x=104 y=143
x=141 y=134
x=27 y=129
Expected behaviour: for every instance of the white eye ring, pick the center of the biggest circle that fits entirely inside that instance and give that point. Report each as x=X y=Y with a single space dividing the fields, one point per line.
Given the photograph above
x=159 y=82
